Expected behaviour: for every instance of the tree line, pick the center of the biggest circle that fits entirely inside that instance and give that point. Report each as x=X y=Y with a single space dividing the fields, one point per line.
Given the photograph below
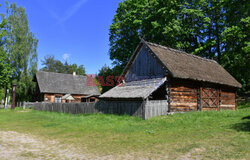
x=214 y=29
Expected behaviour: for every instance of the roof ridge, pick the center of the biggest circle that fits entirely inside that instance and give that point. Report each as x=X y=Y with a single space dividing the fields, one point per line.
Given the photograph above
x=181 y=52
x=61 y=73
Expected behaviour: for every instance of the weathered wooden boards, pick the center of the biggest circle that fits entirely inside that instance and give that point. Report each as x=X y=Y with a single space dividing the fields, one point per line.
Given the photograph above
x=73 y=108
x=155 y=108
x=183 y=96
x=188 y=96
x=144 y=67
x=111 y=107
x=133 y=108
x=228 y=99
x=143 y=109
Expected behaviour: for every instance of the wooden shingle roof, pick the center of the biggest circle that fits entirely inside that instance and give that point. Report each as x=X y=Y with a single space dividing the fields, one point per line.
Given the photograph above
x=50 y=82
x=135 y=89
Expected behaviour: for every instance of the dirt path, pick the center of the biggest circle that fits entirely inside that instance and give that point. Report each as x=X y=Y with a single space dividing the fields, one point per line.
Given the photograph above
x=18 y=146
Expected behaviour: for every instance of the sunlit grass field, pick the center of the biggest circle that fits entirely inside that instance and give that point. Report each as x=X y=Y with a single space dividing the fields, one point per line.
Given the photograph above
x=206 y=135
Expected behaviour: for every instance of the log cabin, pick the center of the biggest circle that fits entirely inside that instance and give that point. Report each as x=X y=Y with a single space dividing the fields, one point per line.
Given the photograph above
x=173 y=81
x=64 y=88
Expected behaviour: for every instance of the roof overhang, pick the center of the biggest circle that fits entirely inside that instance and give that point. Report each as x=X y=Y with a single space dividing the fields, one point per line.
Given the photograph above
x=141 y=89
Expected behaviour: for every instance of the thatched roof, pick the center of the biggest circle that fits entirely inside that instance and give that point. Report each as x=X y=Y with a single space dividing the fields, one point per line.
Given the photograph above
x=187 y=66
x=135 y=89
x=50 y=82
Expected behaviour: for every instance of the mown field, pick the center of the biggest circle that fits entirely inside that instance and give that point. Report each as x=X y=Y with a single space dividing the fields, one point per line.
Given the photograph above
x=193 y=135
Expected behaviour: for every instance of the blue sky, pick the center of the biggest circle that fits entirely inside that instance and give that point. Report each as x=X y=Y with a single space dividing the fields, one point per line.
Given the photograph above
x=77 y=30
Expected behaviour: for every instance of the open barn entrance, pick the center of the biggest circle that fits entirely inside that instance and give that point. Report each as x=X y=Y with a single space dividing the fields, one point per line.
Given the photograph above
x=210 y=98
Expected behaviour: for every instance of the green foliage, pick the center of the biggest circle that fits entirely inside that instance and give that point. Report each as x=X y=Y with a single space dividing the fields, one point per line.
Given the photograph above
x=26 y=89
x=224 y=134
x=21 y=44
x=5 y=68
x=52 y=65
x=104 y=72
x=213 y=29
x=2 y=94
x=18 y=60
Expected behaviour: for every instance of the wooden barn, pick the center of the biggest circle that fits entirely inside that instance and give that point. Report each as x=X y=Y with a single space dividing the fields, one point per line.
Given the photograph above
x=65 y=88
x=160 y=80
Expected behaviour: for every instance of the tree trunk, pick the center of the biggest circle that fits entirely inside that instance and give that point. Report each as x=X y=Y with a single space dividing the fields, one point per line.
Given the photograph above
x=5 y=98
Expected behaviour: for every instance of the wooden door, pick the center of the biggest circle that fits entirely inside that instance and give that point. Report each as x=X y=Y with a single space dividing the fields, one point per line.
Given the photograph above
x=210 y=98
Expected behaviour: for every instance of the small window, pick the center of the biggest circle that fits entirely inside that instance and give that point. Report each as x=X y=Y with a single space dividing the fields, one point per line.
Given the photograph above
x=84 y=100
x=92 y=100
x=58 y=99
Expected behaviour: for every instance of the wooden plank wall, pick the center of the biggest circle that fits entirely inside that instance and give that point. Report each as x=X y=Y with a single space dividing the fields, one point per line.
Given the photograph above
x=133 y=108
x=228 y=99
x=144 y=67
x=155 y=108
x=183 y=96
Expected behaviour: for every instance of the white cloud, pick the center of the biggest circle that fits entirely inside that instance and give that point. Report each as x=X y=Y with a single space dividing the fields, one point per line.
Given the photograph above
x=66 y=56
x=71 y=11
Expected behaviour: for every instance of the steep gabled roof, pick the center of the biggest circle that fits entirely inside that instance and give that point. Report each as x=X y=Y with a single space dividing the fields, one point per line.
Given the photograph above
x=187 y=66
x=50 y=82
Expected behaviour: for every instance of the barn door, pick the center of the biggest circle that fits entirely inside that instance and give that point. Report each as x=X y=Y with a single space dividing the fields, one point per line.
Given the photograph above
x=209 y=98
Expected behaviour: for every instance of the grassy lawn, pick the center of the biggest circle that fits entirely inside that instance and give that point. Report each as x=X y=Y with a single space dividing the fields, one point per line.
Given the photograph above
x=205 y=135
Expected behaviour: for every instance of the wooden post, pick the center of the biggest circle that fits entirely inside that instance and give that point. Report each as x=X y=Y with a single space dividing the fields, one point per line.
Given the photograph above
x=219 y=98
x=235 y=96
x=13 y=96
x=168 y=93
x=200 y=98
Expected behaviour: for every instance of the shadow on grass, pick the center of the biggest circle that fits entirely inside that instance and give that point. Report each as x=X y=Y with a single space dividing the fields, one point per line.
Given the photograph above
x=243 y=126
x=247 y=117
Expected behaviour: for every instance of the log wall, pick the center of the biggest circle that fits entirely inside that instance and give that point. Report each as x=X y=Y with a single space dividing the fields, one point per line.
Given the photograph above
x=228 y=99
x=183 y=96
x=190 y=96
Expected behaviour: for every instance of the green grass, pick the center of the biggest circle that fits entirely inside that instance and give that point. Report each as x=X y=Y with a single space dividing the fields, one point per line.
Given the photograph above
x=210 y=135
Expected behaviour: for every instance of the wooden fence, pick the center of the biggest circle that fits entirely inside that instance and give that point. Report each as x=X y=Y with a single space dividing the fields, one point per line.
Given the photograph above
x=25 y=104
x=141 y=109
x=73 y=108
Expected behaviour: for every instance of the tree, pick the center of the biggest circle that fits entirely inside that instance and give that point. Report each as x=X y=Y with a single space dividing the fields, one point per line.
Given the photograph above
x=208 y=28
x=104 y=72
x=236 y=37
x=21 y=44
x=5 y=68
x=52 y=65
